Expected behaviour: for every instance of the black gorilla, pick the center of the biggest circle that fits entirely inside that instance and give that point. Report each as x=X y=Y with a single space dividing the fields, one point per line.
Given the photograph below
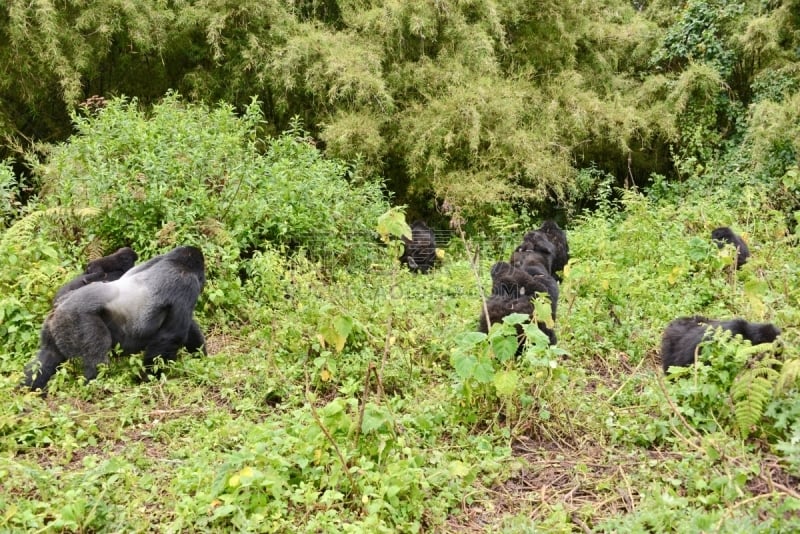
x=724 y=235
x=683 y=335
x=558 y=238
x=512 y=291
x=513 y=282
x=149 y=308
x=548 y=244
x=105 y=269
x=419 y=252
x=536 y=248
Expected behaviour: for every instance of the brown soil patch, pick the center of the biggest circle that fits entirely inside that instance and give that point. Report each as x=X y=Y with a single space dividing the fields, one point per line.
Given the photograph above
x=590 y=483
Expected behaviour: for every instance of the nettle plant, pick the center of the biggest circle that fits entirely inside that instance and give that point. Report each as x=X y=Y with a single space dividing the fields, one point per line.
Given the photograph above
x=492 y=376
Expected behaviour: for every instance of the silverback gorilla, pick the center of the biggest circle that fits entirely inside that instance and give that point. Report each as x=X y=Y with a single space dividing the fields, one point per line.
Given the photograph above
x=724 y=235
x=684 y=334
x=149 y=308
x=420 y=251
x=105 y=269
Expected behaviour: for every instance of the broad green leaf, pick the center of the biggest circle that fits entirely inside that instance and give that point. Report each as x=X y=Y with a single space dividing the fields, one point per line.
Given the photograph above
x=541 y=307
x=506 y=382
x=458 y=469
x=236 y=479
x=50 y=252
x=469 y=339
x=336 y=331
x=343 y=325
x=516 y=318
x=484 y=371
x=505 y=347
x=375 y=417
x=756 y=288
x=393 y=224
x=464 y=364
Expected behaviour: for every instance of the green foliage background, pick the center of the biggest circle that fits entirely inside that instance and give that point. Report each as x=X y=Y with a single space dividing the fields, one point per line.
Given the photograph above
x=488 y=104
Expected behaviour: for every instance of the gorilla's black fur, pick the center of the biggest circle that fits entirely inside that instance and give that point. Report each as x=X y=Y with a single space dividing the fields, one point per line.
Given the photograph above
x=548 y=245
x=512 y=291
x=149 y=308
x=530 y=270
x=684 y=334
x=558 y=238
x=512 y=282
x=420 y=251
x=536 y=248
x=105 y=269
x=724 y=235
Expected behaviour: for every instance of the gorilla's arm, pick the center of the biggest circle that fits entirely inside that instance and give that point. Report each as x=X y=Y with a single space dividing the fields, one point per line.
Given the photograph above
x=195 y=341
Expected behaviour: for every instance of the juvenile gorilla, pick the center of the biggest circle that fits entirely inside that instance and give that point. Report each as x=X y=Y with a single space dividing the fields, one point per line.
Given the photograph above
x=550 y=243
x=724 y=235
x=512 y=291
x=683 y=335
x=149 y=308
x=105 y=269
x=420 y=251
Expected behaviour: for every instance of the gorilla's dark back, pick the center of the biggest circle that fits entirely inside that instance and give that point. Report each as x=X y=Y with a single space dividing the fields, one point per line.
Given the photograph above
x=115 y=264
x=684 y=334
x=105 y=269
x=512 y=292
x=530 y=270
x=535 y=248
x=558 y=237
x=511 y=282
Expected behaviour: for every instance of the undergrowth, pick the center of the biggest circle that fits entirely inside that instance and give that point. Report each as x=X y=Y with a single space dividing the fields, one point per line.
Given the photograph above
x=342 y=393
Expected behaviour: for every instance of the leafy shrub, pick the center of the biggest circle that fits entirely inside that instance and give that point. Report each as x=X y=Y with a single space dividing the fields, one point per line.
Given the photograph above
x=773 y=135
x=329 y=464
x=700 y=34
x=783 y=414
x=186 y=173
x=492 y=379
x=9 y=189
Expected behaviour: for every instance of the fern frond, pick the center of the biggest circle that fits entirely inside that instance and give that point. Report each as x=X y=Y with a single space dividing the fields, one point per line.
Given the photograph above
x=750 y=392
x=95 y=249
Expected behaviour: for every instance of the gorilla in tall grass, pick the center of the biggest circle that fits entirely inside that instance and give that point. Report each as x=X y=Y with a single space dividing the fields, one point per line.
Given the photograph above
x=512 y=292
x=547 y=245
x=558 y=238
x=419 y=252
x=683 y=335
x=536 y=249
x=150 y=308
x=724 y=235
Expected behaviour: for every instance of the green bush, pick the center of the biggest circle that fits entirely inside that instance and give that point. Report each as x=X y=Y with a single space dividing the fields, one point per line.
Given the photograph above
x=187 y=173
